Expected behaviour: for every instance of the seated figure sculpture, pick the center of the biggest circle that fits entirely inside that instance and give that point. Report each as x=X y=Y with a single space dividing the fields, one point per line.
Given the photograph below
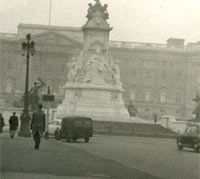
x=98 y=69
x=95 y=68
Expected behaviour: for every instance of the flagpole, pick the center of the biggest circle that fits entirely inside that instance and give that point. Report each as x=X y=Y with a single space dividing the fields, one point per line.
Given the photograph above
x=49 y=12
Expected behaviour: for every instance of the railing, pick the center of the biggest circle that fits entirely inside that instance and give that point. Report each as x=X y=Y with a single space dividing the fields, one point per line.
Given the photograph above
x=120 y=44
x=156 y=46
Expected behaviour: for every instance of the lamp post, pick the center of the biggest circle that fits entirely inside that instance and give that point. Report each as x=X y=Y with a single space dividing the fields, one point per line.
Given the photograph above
x=28 y=50
x=47 y=98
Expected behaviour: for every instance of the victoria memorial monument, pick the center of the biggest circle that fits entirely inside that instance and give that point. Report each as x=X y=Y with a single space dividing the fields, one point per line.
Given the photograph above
x=94 y=87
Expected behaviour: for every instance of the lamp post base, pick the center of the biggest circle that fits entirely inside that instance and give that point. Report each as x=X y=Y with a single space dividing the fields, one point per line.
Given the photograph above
x=24 y=128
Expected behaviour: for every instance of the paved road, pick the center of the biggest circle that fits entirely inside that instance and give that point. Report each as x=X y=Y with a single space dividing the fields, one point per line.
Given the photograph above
x=58 y=160
x=158 y=157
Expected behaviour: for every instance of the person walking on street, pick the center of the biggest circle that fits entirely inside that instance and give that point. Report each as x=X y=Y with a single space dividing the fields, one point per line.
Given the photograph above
x=155 y=118
x=2 y=124
x=14 y=122
x=38 y=125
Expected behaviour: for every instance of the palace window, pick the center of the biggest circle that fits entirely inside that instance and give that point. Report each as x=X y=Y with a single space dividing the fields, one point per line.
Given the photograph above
x=9 y=65
x=148 y=74
x=162 y=112
x=63 y=68
x=8 y=87
x=148 y=64
x=132 y=95
x=147 y=96
x=50 y=66
x=178 y=97
x=163 y=74
x=162 y=97
x=37 y=66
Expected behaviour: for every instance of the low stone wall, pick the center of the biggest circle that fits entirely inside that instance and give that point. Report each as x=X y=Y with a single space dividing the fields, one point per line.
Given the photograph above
x=132 y=129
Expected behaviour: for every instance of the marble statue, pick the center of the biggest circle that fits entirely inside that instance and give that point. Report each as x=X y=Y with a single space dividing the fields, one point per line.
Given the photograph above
x=72 y=75
x=116 y=74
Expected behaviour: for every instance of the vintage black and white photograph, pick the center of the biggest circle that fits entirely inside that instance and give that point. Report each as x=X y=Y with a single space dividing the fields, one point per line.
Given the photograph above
x=99 y=89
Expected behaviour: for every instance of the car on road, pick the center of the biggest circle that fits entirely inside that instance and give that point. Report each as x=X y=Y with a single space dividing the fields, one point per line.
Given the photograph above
x=73 y=128
x=54 y=125
x=190 y=138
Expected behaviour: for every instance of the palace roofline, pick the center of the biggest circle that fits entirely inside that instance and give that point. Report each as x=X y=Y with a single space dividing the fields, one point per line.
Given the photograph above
x=38 y=26
x=173 y=44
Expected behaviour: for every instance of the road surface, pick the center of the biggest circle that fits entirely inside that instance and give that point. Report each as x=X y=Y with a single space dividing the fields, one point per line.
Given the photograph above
x=158 y=157
x=57 y=160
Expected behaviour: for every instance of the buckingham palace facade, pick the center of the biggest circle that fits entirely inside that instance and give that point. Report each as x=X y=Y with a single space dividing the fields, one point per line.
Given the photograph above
x=157 y=78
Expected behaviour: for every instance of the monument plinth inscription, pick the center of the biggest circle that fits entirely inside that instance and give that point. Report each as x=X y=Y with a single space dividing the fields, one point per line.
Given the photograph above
x=94 y=87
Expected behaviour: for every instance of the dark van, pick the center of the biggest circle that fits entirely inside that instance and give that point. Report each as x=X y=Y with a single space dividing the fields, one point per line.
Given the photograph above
x=73 y=128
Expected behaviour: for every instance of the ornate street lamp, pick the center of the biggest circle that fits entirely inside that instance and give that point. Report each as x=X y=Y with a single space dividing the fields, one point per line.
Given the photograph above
x=28 y=49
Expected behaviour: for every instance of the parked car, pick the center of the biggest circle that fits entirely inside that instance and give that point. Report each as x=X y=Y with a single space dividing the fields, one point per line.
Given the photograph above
x=54 y=125
x=190 y=138
x=73 y=128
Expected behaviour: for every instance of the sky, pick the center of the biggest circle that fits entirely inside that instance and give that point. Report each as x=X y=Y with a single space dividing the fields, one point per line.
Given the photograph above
x=149 y=21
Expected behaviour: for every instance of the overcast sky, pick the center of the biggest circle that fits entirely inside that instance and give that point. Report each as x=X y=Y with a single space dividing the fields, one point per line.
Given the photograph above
x=152 y=21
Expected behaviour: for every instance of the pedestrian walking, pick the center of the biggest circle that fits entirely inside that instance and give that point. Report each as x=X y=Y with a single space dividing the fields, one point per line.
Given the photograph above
x=14 y=122
x=38 y=125
x=155 y=118
x=2 y=124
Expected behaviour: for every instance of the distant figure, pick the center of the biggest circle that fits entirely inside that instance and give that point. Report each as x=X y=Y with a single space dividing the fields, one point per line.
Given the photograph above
x=132 y=110
x=155 y=118
x=38 y=125
x=2 y=124
x=14 y=122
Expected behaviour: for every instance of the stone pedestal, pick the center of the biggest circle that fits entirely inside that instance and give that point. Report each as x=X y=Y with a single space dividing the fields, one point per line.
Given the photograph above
x=102 y=103
x=25 y=125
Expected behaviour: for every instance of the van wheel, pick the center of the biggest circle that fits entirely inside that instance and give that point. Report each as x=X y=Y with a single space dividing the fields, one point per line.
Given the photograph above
x=87 y=139
x=74 y=139
x=68 y=139
x=180 y=147
x=196 y=148
x=57 y=136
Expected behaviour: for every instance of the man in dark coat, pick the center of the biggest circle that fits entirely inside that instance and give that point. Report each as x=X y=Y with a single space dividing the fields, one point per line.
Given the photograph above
x=2 y=124
x=38 y=125
x=14 y=122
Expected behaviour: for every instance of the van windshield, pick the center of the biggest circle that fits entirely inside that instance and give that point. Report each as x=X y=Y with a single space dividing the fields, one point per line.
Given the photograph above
x=192 y=129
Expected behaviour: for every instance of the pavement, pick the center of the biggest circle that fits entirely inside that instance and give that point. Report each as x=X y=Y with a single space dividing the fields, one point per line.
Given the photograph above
x=19 y=160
